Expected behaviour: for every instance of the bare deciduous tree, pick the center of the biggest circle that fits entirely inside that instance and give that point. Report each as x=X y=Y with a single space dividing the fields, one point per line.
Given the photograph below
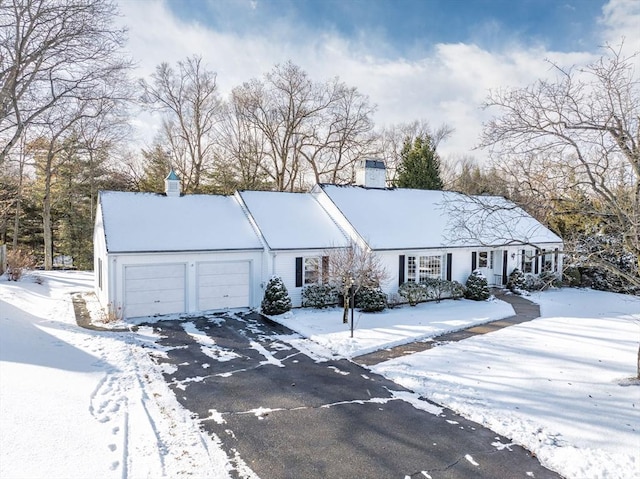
x=188 y=97
x=579 y=133
x=51 y=51
x=354 y=267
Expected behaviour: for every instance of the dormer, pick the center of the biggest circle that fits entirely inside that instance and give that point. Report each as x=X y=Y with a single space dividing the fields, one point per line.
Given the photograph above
x=172 y=184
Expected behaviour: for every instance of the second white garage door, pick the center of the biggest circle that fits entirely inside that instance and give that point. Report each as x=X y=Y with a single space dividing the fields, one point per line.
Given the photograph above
x=223 y=285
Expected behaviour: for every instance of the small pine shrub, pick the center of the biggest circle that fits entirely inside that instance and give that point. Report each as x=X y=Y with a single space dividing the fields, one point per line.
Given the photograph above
x=370 y=300
x=319 y=296
x=276 y=297
x=414 y=293
x=477 y=287
x=515 y=282
x=18 y=263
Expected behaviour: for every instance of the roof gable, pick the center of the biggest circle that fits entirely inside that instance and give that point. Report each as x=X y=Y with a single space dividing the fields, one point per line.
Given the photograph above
x=149 y=222
x=292 y=220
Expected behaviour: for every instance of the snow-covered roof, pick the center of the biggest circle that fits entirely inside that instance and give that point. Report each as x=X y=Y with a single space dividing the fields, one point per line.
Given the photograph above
x=149 y=222
x=414 y=219
x=292 y=220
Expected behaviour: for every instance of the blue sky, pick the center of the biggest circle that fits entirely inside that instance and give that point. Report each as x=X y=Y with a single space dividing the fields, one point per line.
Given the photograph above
x=428 y=60
x=411 y=26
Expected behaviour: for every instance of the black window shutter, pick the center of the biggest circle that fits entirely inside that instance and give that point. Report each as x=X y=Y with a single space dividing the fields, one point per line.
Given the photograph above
x=474 y=261
x=298 y=272
x=522 y=260
x=401 y=270
x=449 y=259
x=505 y=258
x=536 y=263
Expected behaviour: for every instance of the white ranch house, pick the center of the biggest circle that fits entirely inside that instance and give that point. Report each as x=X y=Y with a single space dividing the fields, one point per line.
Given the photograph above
x=171 y=253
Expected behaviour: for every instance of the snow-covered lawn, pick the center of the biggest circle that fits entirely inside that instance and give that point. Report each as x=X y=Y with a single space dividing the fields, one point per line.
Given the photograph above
x=392 y=327
x=558 y=385
x=76 y=403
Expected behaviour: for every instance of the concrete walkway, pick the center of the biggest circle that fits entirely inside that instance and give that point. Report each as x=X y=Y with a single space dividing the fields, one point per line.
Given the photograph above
x=525 y=311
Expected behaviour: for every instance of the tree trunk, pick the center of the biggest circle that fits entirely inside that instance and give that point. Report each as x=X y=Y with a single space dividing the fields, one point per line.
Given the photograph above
x=345 y=303
x=46 y=215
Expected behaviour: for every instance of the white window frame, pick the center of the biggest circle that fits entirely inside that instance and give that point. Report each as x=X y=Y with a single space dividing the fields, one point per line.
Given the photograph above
x=308 y=269
x=421 y=267
x=527 y=263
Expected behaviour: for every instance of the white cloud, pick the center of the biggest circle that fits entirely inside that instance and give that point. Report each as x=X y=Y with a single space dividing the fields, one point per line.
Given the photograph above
x=447 y=85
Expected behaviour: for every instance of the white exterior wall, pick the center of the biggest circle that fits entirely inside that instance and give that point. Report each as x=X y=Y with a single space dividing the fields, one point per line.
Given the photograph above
x=100 y=256
x=118 y=262
x=284 y=265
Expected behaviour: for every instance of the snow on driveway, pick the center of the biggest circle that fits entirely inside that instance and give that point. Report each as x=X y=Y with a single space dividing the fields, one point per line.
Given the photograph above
x=76 y=403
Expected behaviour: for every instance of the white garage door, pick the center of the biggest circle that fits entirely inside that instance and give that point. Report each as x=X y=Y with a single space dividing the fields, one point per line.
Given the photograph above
x=154 y=289
x=223 y=285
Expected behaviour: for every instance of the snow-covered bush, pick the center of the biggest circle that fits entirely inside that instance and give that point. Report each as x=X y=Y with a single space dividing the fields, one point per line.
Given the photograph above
x=458 y=290
x=276 y=297
x=437 y=288
x=572 y=277
x=477 y=287
x=542 y=282
x=414 y=293
x=319 y=296
x=370 y=300
x=515 y=282
x=18 y=263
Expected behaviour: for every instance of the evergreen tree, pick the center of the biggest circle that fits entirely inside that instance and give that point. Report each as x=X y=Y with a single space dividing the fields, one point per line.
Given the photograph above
x=276 y=297
x=420 y=167
x=477 y=287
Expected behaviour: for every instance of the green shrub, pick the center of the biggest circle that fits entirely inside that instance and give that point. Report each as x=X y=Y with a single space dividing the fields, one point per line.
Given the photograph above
x=276 y=297
x=477 y=287
x=370 y=300
x=458 y=290
x=515 y=282
x=319 y=296
x=414 y=293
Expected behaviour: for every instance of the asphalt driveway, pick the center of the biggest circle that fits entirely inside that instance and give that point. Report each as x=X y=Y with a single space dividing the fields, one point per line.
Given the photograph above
x=287 y=415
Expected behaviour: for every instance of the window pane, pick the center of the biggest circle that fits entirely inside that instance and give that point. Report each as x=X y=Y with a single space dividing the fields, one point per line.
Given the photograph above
x=411 y=269
x=482 y=259
x=430 y=267
x=311 y=270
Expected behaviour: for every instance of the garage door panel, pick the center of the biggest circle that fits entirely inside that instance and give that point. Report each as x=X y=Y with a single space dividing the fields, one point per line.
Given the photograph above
x=155 y=271
x=156 y=284
x=223 y=279
x=223 y=268
x=155 y=296
x=223 y=285
x=154 y=289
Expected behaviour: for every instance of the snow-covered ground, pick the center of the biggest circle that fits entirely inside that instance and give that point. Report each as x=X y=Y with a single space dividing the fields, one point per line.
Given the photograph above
x=558 y=385
x=392 y=327
x=76 y=403
x=80 y=403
